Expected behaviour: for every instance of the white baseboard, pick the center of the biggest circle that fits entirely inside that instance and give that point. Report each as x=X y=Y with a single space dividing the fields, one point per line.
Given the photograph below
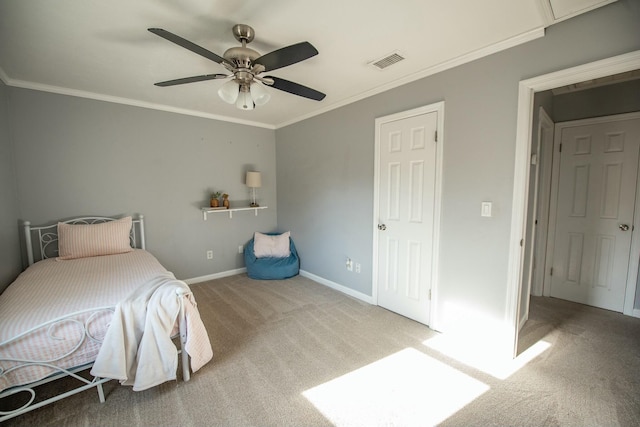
x=213 y=276
x=636 y=312
x=333 y=285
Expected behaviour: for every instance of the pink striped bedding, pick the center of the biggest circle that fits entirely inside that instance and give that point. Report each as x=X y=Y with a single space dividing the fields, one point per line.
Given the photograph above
x=53 y=288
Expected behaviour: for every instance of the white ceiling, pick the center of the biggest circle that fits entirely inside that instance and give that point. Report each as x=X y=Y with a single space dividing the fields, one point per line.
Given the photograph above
x=101 y=49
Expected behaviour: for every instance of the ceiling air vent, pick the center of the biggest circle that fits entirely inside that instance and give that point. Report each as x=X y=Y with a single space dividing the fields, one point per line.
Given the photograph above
x=387 y=61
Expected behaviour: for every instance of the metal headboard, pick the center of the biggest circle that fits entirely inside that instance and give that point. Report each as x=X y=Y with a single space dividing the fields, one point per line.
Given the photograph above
x=47 y=236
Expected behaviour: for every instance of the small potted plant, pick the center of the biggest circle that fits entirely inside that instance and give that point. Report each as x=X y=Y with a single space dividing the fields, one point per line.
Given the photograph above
x=215 y=199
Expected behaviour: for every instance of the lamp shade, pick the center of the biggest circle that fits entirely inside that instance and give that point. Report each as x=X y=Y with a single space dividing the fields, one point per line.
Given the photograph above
x=244 y=102
x=229 y=91
x=254 y=180
x=259 y=94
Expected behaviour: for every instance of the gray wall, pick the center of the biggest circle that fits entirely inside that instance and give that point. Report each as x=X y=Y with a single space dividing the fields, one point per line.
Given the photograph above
x=325 y=193
x=10 y=264
x=75 y=156
x=601 y=101
x=325 y=165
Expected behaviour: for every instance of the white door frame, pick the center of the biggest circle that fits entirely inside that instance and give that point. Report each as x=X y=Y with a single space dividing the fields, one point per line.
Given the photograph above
x=439 y=108
x=526 y=91
x=632 y=274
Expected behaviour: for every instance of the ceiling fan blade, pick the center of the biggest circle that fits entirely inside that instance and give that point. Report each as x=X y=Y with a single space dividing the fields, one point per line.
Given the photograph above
x=287 y=56
x=191 y=79
x=188 y=45
x=296 y=88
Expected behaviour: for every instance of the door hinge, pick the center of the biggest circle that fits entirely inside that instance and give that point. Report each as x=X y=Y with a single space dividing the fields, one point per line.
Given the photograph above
x=521 y=242
x=436 y=137
x=561 y=147
x=551 y=272
x=429 y=294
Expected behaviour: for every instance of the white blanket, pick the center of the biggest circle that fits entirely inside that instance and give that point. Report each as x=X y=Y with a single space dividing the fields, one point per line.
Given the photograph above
x=137 y=348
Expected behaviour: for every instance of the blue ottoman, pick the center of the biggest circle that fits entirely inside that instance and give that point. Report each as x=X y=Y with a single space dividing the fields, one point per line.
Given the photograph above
x=271 y=268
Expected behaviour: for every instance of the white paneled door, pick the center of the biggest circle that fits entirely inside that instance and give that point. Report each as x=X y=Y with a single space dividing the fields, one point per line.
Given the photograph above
x=595 y=210
x=406 y=208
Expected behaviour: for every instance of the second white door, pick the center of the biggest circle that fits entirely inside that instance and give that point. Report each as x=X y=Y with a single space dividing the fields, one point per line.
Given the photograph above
x=595 y=209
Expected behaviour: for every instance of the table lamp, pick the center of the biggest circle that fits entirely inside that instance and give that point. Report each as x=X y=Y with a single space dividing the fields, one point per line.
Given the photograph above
x=253 y=181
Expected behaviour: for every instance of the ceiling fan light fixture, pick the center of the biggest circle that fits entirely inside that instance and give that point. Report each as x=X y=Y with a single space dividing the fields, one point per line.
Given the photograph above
x=229 y=92
x=245 y=66
x=244 y=102
x=259 y=94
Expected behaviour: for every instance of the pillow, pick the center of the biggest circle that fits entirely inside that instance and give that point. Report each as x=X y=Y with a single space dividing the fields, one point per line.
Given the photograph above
x=266 y=246
x=88 y=240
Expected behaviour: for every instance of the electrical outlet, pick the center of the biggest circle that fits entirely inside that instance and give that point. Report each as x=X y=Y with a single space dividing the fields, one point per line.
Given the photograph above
x=349 y=264
x=240 y=249
x=358 y=269
x=209 y=254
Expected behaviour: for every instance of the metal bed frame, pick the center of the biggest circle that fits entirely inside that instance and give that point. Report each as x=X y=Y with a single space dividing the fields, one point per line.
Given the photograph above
x=47 y=247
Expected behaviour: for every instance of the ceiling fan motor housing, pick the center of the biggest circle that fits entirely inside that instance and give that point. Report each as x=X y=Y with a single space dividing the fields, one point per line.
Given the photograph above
x=241 y=57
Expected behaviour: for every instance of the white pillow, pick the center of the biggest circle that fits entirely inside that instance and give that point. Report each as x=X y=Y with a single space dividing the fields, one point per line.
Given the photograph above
x=88 y=240
x=265 y=246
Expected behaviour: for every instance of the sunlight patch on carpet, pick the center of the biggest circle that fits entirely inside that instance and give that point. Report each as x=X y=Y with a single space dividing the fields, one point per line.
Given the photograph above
x=477 y=354
x=405 y=388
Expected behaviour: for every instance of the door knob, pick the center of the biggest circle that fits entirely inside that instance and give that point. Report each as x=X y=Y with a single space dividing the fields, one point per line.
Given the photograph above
x=382 y=227
x=623 y=227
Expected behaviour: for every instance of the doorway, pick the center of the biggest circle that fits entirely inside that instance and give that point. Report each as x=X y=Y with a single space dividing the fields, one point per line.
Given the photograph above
x=408 y=169
x=527 y=90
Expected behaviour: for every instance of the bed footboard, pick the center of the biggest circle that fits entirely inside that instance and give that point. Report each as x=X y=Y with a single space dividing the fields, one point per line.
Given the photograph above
x=30 y=390
x=61 y=364
x=65 y=336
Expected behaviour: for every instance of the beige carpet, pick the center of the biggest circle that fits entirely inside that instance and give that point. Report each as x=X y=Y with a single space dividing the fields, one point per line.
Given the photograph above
x=296 y=353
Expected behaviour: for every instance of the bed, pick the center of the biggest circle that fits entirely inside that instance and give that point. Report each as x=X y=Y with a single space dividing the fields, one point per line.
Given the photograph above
x=93 y=298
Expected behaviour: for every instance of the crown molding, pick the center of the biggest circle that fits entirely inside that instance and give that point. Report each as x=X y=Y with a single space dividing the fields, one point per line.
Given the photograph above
x=127 y=101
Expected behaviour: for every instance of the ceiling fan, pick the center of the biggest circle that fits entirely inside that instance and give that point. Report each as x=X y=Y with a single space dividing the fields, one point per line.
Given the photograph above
x=246 y=66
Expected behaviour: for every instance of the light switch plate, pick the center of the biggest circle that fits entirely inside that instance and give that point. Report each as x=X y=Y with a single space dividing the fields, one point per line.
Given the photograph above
x=486 y=209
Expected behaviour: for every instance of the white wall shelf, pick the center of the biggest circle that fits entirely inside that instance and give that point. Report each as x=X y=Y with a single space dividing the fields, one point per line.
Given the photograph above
x=206 y=211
